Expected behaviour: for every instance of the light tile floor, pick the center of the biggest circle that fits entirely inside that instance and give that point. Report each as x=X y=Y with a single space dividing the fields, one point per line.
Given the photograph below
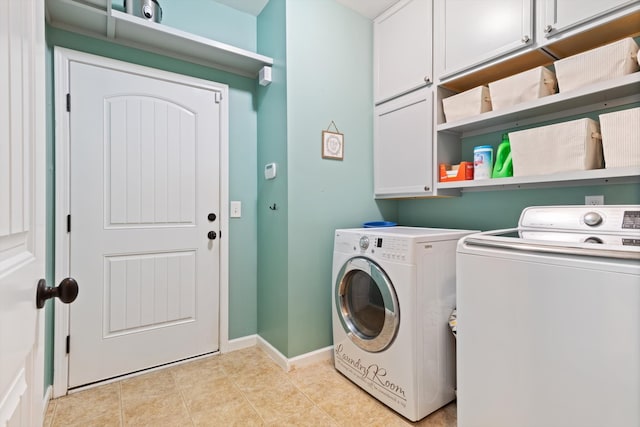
x=242 y=388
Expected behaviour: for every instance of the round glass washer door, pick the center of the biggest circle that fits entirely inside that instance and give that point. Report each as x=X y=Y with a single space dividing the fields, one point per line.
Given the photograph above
x=367 y=305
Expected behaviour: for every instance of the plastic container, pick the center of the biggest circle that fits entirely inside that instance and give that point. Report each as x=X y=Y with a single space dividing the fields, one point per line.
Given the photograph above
x=503 y=167
x=378 y=224
x=461 y=172
x=482 y=162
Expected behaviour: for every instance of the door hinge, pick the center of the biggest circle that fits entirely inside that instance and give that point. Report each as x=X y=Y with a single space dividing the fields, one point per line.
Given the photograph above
x=68 y=345
x=68 y=223
x=218 y=97
x=68 y=102
x=220 y=234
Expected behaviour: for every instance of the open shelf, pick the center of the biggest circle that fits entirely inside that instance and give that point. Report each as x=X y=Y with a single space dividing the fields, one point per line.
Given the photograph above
x=624 y=90
x=97 y=19
x=564 y=179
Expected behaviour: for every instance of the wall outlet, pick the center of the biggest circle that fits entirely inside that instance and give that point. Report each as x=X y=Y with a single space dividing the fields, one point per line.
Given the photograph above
x=594 y=200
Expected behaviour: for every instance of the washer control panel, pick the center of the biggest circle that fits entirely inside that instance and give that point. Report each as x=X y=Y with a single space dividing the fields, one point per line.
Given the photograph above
x=604 y=218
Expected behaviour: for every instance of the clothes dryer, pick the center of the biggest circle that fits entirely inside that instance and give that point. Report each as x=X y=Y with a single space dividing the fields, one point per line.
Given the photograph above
x=393 y=292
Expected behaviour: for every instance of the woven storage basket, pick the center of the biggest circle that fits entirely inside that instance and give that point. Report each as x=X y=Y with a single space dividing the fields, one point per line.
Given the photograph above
x=603 y=63
x=522 y=87
x=621 y=138
x=562 y=147
x=467 y=104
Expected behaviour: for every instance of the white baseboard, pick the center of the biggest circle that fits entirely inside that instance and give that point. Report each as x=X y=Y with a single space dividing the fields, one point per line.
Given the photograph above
x=242 y=342
x=320 y=355
x=295 y=362
x=47 y=398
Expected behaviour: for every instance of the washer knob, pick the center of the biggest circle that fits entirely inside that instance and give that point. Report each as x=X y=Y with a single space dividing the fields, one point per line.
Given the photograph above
x=364 y=242
x=592 y=219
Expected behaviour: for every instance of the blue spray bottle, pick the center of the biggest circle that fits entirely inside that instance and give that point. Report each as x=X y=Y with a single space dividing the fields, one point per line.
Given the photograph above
x=504 y=164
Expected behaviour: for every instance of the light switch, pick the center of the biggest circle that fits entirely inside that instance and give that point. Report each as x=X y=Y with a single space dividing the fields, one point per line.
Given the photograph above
x=236 y=209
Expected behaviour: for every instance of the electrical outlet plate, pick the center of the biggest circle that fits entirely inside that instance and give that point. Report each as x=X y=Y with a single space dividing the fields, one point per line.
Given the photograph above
x=594 y=200
x=236 y=209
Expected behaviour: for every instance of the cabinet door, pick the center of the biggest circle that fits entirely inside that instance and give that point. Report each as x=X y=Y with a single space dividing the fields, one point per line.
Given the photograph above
x=476 y=32
x=403 y=146
x=402 y=49
x=562 y=15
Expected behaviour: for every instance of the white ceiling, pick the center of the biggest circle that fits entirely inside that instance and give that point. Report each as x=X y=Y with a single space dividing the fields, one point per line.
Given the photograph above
x=367 y=8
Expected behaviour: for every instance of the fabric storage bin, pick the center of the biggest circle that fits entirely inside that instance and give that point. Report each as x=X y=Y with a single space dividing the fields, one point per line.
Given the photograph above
x=562 y=147
x=525 y=86
x=603 y=63
x=467 y=104
x=621 y=138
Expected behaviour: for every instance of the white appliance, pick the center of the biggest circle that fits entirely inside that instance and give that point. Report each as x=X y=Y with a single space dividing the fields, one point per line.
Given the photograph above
x=393 y=292
x=549 y=320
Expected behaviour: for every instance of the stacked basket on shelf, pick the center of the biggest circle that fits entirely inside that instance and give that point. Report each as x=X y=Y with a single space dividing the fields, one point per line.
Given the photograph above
x=580 y=144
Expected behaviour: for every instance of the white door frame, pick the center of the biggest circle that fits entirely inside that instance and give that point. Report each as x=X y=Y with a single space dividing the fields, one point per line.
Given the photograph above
x=62 y=59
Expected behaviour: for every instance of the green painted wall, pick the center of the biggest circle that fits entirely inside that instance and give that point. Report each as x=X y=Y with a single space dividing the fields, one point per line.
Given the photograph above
x=328 y=78
x=242 y=149
x=272 y=147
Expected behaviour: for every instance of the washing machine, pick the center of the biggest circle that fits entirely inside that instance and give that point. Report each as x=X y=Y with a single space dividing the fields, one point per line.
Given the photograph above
x=393 y=292
x=548 y=327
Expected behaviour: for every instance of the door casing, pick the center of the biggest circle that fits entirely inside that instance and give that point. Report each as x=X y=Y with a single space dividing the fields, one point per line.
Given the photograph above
x=62 y=59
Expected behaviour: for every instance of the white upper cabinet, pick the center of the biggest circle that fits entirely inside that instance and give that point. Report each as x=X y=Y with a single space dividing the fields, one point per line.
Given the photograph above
x=473 y=32
x=558 y=16
x=403 y=149
x=402 y=49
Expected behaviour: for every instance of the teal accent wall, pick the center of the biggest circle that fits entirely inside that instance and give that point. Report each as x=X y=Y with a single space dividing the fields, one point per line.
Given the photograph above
x=272 y=148
x=329 y=78
x=242 y=152
x=327 y=49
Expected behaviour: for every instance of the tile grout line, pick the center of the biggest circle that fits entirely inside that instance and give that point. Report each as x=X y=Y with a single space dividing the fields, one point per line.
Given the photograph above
x=120 y=402
x=315 y=403
x=184 y=400
x=243 y=395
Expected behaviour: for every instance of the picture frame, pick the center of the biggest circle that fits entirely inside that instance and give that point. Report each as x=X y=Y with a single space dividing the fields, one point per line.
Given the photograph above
x=332 y=145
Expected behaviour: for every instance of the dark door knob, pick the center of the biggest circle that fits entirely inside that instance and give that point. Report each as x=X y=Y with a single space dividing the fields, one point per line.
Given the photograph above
x=212 y=235
x=211 y=217
x=67 y=291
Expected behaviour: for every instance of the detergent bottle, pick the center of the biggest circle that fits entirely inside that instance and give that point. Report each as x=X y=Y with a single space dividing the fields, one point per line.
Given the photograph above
x=504 y=164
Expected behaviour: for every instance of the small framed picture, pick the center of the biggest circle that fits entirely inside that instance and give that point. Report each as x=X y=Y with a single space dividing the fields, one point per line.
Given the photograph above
x=332 y=145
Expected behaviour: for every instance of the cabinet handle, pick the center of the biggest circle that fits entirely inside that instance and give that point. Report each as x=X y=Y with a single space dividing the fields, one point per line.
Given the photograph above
x=525 y=39
x=426 y=188
x=427 y=79
x=548 y=29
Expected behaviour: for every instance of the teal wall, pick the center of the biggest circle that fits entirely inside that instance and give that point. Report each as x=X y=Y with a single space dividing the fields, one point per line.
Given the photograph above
x=327 y=49
x=272 y=148
x=329 y=78
x=242 y=147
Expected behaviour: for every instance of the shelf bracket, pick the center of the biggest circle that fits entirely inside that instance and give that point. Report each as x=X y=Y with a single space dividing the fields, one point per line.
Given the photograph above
x=264 y=76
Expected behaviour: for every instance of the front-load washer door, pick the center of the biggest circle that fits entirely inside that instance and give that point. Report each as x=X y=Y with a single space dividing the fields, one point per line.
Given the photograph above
x=367 y=304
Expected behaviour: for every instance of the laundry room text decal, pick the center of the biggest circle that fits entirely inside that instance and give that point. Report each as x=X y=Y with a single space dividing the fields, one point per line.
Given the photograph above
x=373 y=375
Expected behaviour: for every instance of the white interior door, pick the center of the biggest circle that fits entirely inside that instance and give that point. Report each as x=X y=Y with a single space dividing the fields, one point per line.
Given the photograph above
x=145 y=207
x=22 y=210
